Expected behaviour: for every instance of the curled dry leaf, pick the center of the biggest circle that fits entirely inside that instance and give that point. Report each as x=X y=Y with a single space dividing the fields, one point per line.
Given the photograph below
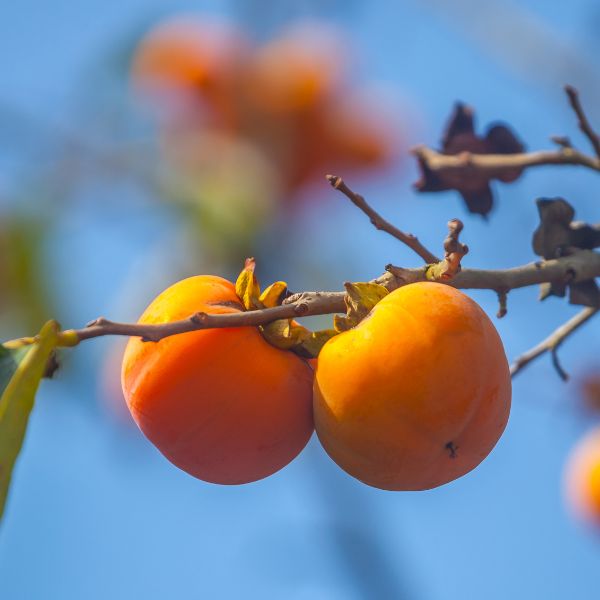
x=460 y=139
x=558 y=235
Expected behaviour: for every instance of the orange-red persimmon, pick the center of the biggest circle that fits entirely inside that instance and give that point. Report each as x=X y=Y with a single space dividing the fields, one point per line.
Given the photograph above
x=221 y=404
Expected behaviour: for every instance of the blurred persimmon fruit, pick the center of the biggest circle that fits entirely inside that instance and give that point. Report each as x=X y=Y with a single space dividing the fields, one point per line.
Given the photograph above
x=589 y=389
x=417 y=394
x=222 y=404
x=299 y=70
x=293 y=97
x=582 y=478
x=189 y=60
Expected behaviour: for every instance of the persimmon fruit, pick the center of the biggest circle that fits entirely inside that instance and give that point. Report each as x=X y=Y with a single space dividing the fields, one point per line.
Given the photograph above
x=192 y=66
x=298 y=70
x=417 y=394
x=222 y=404
x=582 y=478
x=189 y=52
x=361 y=131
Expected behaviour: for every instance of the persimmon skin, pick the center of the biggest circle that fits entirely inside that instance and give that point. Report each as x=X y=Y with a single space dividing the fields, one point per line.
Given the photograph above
x=417 y=394
x=221 y=404
x=582 y=479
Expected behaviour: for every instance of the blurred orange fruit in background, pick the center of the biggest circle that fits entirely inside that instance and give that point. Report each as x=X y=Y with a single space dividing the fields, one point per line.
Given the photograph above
x=582 y=478
x=189 y=61
x=294 y=98
x=299 y=70
x=589 y=387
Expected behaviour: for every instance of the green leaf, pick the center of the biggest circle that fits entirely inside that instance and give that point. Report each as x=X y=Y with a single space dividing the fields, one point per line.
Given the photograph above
x=22 y=367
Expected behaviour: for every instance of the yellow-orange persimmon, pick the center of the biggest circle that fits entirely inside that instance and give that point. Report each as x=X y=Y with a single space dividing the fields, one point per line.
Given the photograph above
x=221 y=404
x=417 y=394
x=582 y=478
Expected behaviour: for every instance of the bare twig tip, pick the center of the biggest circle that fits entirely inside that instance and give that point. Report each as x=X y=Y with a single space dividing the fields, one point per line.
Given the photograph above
x=584 y=124
x=334 y=180
x=502 y=303
x=556 y=363
x=562 y=140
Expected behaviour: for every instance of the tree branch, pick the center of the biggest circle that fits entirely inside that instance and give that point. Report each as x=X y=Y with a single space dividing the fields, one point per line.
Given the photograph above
x=494 y=165
x=576 y=267
x=379 y=222
x=583 y=122
x=579 y=266
x=318 y=303
x=553 y=342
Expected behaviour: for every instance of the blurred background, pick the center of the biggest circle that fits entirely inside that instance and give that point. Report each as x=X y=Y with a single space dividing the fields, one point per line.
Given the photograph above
x=142 y=142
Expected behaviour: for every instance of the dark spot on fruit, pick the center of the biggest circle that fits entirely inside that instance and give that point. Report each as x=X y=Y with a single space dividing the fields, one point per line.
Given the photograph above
x=452 y=448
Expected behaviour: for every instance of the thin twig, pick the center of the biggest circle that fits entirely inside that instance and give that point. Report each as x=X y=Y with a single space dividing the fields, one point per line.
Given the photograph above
x=502 y=303
x=379 y=222
x=454 y=251
x=553 y=342
x=561 y=140
x=583 y=122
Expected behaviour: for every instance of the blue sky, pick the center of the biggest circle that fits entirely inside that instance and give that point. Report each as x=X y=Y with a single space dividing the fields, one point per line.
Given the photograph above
x=95 y=510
